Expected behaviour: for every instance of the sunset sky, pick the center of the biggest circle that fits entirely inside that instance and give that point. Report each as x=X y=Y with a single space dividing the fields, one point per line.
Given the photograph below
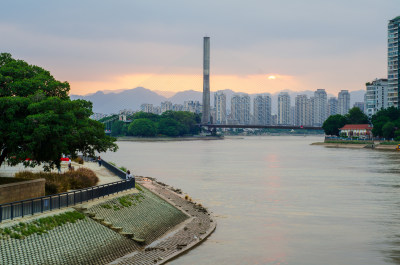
x=256 y=46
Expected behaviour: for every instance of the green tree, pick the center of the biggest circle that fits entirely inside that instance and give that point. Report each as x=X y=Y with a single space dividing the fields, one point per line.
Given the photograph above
x=38 y=120
x=388 y=130
x=145 y=115
x=382 y=117
x=332 y=125
x=142 y=127
x=188 y=120
x=356 y=116
x=170 y=127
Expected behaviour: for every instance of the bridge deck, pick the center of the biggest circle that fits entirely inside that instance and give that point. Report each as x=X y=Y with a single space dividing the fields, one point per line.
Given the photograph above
x=233 y=126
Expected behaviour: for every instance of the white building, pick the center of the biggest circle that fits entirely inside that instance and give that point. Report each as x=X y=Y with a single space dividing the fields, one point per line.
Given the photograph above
x=220 y=107
x=165 y=106
x=343 y=102
x=376 y=97
x=192 y=106
x=393 y=62
x=262 y=110
x=283 y=108
x=147 y=108
x=320 y=107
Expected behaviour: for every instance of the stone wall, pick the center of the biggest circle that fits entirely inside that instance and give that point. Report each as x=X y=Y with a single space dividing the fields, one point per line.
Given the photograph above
x=22 y=190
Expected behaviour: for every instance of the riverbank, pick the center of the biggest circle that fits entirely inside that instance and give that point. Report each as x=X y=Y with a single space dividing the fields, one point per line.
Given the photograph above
x=168 y=139
x=375 y=146
x=148 y=225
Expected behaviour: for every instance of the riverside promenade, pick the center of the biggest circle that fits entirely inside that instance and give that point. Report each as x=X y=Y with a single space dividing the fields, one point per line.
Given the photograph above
x=149 y=225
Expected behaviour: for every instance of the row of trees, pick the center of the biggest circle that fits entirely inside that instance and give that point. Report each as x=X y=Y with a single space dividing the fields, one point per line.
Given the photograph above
x=39 y=122
x=386 y=122
x=170 y=123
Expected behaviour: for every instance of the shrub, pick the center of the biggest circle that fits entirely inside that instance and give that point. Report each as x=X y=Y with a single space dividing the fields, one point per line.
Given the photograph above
x=78 y=160
x=123 y=169
x=56 y=183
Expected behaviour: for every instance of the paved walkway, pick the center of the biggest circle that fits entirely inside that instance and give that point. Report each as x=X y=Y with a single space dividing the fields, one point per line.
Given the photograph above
x=104 y=175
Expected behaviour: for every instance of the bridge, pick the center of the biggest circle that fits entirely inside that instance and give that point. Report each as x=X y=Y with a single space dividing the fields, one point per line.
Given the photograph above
x=249 y=126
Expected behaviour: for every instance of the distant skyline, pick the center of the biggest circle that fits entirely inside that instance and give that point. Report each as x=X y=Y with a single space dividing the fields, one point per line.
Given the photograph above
x=257 y=47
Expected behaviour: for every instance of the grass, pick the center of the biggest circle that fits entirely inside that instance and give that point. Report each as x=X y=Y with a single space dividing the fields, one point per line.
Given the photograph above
x=123 y=169
x=40 y=226
x=57 y=183
x=112 y=163
x=347 y=142
x=389 y=143
x=123 y=202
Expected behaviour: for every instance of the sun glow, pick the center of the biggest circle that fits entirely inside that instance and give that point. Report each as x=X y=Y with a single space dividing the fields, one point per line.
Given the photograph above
x=271 y=77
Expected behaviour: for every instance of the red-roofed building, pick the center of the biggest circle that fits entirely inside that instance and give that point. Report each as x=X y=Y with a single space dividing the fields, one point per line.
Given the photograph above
x=356 y=130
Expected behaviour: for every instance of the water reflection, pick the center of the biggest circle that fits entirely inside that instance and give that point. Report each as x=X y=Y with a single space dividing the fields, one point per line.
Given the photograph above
x=279 y=200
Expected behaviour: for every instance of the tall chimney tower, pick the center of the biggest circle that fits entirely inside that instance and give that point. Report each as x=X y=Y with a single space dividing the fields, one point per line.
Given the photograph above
x=206 y=81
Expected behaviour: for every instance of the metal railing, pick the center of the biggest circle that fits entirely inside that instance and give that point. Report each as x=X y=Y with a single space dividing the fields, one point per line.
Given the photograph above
x=51 y=202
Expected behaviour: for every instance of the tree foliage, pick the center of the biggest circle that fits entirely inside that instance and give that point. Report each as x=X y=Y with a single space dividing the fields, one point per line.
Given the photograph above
x=38 y=121
x=386 y=123
x=332 y=125
x=142 y=127
x=356 y=116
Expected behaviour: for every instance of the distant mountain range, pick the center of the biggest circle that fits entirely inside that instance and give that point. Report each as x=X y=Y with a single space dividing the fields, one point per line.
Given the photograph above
x=109 y=101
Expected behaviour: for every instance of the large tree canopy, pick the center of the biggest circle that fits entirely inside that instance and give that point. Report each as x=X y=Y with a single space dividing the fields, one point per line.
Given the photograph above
x=386 y=123
x=38 y=121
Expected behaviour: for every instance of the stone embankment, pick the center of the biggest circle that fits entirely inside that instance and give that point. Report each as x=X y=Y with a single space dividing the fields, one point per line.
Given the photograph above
x=148 y=226
x=192 y=232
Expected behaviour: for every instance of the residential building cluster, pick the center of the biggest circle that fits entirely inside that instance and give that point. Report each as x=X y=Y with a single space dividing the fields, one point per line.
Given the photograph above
x=306 y=111
x=383 y=93
x=190 y=105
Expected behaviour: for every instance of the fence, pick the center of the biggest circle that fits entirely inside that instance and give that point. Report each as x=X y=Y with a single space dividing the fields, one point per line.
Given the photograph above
x=48 y=203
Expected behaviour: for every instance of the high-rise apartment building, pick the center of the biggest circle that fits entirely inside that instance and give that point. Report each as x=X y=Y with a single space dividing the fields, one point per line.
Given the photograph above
x=376 y=97
x=165 y=106
x=320 y=107
x=240 y=109
x=343 y=102
x=302 y=111
x=332 y=106
x=360 y=105
x=283 y=108
x=192 y=106
x=220 y=107
x=262 y=110
x=145 y=107
x=393 y=62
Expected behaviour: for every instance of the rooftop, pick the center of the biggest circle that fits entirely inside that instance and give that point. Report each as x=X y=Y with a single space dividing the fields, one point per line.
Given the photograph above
x=356 y=127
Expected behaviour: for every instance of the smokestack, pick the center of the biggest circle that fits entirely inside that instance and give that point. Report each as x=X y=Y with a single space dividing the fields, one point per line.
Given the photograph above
x=206 y=81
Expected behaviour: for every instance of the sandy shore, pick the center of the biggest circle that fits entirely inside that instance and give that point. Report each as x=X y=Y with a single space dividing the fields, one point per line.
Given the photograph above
x=377 y=146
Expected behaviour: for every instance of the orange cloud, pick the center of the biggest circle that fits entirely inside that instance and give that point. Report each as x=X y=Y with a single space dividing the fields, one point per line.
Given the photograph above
x=261 y=83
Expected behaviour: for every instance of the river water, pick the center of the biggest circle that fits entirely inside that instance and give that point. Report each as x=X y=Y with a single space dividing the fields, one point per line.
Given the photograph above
x=280 y=200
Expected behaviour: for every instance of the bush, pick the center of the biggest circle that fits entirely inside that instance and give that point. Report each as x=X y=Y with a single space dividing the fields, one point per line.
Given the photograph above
x=56 y=183
x=78 y=160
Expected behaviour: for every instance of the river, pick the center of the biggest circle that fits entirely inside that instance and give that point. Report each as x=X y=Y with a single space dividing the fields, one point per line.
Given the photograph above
x=280 y=200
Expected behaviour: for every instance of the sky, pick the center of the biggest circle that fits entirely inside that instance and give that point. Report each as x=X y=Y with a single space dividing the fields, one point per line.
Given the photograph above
x=256 y=46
